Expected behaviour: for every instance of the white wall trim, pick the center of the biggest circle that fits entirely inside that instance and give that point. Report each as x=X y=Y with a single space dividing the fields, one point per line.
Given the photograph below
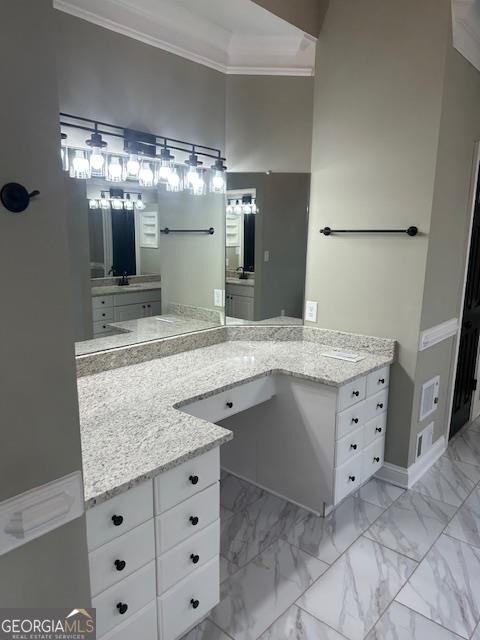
x=437 y=334
x=405 y=478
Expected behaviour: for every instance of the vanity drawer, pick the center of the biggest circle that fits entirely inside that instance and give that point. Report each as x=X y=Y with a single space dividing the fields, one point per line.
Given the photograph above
x=187 y=518
x=377 y=404
x=100 y=327
x=122 y=556
x=351 y=393
x=378 y=380
x=130 y=509
x=136 y=297
x=142 y=625
x=375 y=429
x=178 y=563
x=100 y=302
x=103 y=315
x=135 y=592
x=348 y=477
x=227 y=403
x=349 y=446
x=372 y=458
x=350 y=419
x=176 y=612
x=184 y=481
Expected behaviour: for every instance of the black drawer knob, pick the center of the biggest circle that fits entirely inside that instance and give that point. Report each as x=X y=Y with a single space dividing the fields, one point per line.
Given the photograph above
x=122 y=608
x=194 y=603
x=103 y=301
x=103 y=315
x=120 y=565
x=117 y=520
x=351 y=478
x=194 y=558
x=193 y=479
x=380 y=405
x=355 y=420
x=229 y=405
x=355 y=393
x=376 y=459
x=381 y=381
x=378 y=429
x=194 y=520
x=353 y=446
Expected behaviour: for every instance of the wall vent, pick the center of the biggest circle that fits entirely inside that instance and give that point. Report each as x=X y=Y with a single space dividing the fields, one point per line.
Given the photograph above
x=429 y=399
x=424 y=441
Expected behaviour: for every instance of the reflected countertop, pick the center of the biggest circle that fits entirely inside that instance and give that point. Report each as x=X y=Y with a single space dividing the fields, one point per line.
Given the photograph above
x=109 y=290
x=244 y=283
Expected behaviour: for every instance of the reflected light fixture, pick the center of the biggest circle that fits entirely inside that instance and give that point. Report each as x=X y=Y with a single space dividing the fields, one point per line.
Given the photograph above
x=146 y=176
x=217 y=181
x=128 y=203
x=80 y=166
x=114 y=169
x=139 y=204
x=133 y=166
x=116 y=203
x=64 y=151
x=97 y=155
x=93 y=203
x=104 y=203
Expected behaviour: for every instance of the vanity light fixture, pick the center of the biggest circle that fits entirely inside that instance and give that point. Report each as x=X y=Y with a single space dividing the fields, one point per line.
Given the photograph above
x=97 y=155
x=165 y=166
x=64 y=151
x=133 y=167
x=139 y=204
x=146 y=175
x=116 y=204
x=195 y=181
x=80 y=166
x=217 y=180
x=128 y=203
x=104 y=203
x=229 y=207
x=114 y=169
x=238 y=208
x=93 y=204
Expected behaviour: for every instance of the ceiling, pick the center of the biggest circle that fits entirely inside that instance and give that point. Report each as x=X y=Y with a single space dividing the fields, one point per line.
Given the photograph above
x=466 y=29
x=232 y=36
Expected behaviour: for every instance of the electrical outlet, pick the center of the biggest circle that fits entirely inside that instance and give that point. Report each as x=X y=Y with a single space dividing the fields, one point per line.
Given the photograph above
x=218 y=297
x=311 y=311
x=424 y=441
x=266 y=256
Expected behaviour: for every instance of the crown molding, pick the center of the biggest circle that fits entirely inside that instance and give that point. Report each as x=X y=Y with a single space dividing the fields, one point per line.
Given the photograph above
x=258 y=47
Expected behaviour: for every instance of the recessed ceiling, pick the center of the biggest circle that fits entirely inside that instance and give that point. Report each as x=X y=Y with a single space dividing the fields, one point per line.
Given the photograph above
x=232 y=36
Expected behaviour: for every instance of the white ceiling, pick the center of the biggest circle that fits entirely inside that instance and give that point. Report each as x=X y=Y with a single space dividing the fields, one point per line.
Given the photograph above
x=466 y=29
x=232 y=36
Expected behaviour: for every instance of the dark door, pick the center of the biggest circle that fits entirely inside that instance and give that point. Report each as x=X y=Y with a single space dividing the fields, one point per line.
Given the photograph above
x=465 y=383
x=249 y=242
x=123 y=243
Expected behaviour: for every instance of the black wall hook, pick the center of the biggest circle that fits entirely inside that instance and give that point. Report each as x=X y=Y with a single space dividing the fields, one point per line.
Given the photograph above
x=15 y=197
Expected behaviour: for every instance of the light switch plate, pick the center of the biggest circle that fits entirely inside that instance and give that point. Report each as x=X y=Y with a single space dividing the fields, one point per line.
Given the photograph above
x=218 y=297
x=266 y=256
x=311 y=311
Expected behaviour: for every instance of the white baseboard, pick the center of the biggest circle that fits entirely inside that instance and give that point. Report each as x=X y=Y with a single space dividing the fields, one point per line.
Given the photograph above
x=405 y=478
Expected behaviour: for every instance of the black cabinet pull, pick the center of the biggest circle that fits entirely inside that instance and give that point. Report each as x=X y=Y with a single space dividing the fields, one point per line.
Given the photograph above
x=353 y=446
x=376 y=459
x=103 y=315
x=355 y=420
x=194 y=558
x=149 y=305
x=117 y=520
x=351 y=478
x=194 y=603
x=120 y=565
x=380 y=405
x=229 y=405
x=194 y=520
x=103 y=301
x=143 y=306
x=355 y=393
x=122 y=608
x=381 y=381
x=378 y=429
x=193 y=479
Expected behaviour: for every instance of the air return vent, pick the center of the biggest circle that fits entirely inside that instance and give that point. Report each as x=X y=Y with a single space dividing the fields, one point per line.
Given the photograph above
x=429 y=400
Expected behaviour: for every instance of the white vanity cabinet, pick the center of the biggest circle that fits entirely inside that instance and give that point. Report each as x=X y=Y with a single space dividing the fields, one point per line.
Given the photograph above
x=239 y=301
x=154 y=553
x=119 y=307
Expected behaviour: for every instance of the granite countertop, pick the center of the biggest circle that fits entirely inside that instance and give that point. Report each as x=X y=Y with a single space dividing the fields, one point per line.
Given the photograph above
x=109 y=290
x=132 y=427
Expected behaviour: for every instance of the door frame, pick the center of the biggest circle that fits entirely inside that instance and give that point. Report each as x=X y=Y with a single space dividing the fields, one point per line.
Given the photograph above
x=475 y=177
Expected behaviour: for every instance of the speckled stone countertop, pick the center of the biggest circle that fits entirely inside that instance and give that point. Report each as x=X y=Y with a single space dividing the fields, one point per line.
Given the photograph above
x=109 y=290
x=132 y=426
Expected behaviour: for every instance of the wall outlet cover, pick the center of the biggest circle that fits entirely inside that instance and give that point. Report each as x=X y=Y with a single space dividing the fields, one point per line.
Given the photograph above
x=311 y=311
x=424 y=440
x=219 y=297
x=266 y=256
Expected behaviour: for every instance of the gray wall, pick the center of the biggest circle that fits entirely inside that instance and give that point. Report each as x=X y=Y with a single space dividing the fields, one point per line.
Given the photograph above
x=38 y=398
x=269 y=123
x=378 y=99
x=307 y=15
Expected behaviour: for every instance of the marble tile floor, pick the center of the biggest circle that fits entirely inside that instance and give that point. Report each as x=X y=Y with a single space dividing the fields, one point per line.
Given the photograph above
x=387 y=564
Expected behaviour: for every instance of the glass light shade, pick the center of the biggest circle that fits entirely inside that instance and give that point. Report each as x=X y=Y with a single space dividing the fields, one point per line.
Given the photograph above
x=64 y=156
x=114 y=170
x=116 y=203
x=104 y=203
x=139 y=204
x=146 y=175
x=247 y=208
x=195 y=181
x=128 y=203
x=217 y=181
x=174 y=182
x=229 y=207
x=97 y=162
x=238 y=207
x=80 y=166
x=133 y=166
x=93 y=204
x=165 y=169
x=254 y=206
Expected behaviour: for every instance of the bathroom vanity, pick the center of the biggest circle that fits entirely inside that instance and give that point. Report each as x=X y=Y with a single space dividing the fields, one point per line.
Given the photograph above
x=307 y=427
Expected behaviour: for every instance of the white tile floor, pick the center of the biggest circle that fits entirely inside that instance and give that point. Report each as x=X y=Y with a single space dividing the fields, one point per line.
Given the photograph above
x=388 y=564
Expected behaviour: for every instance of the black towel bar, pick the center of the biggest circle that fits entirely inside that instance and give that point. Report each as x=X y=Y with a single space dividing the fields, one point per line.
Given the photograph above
x=210 y=231
x=411 y=231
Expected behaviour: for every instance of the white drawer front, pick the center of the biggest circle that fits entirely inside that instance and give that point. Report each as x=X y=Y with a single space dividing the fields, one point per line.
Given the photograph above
x=185 y=558
x=119 y=515
x=227 y=403
x=100 y=327
x=377 y=404
x=134 y=593
x=373 y=458
x=136 y=297
x=375 y=428
x=351 y=419
x=348 y=477
x=103 y=315
x=184 y=481
x=176 y=608
x=122 y=556
x=100 y=302
x=187 y=518
x=349 y=446
x=378 y=380
x=143 y=626
x=351 y=393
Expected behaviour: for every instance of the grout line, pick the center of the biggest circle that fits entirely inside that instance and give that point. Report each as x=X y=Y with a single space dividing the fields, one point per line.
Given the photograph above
x=315 y=617
x=222 y=630
x=426 y=618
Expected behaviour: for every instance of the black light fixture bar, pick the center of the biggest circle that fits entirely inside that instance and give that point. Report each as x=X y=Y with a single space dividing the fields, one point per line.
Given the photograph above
x=411 y=231
x=108 y=129
x=210 y=231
